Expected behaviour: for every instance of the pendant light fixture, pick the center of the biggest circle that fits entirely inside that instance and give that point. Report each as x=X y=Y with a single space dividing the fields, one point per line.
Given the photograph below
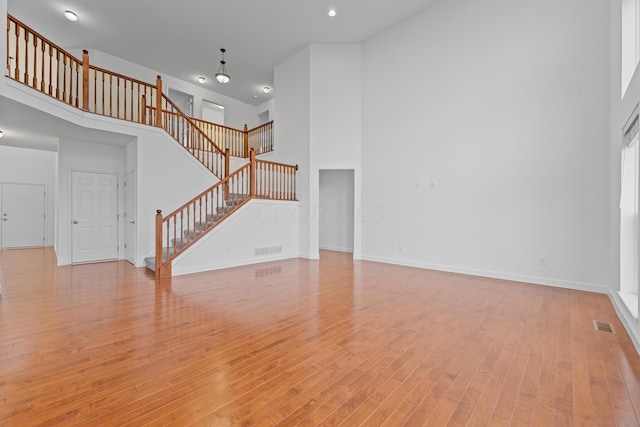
x=222 y=76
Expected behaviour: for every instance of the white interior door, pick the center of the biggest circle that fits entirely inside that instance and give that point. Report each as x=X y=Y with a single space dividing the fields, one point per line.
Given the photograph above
x=23 y=215
x=94 y=208
x=129 y=217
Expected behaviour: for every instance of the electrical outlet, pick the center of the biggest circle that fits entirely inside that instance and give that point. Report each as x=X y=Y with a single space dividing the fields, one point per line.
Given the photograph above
x=543 y=260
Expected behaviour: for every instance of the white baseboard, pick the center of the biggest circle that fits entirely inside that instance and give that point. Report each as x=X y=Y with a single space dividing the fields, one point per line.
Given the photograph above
x=177 y=271
x=337 y=249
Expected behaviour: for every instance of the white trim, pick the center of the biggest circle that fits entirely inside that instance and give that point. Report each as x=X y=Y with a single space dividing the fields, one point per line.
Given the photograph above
x=336 y=249
x=630 y=324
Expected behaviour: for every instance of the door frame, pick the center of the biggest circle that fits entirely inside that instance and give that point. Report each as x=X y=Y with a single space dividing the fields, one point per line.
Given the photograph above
x=129 y=213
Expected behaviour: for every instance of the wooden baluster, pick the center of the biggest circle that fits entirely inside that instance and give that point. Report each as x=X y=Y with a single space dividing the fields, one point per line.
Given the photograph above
x=159 y=102
x=252 y=173
x=295 y=181
x=16 y=72
x=50 y=91
x=35 y=62
x=77 y=73
x=58 y=74
x=26 y=58
x=98 y=101
x=85 y=80
x=246 y=141
x=117 y=97
x=130 y=103
x=143 y=109
x=64 y=78
x=42 y=67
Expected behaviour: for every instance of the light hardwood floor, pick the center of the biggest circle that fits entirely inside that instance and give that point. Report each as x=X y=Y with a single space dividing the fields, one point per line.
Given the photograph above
x=303 y=342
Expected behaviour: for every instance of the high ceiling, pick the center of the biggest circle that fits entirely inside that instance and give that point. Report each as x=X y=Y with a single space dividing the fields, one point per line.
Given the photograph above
x=183 y=38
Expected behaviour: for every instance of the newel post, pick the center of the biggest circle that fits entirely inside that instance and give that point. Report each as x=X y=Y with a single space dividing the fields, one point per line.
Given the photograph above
x=252 y=173
x=159 y=102
x=246 y=140
x=158 y=242
x=85 y=80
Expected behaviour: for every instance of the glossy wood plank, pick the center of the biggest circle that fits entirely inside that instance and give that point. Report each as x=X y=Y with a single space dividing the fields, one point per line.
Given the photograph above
x=300 y=342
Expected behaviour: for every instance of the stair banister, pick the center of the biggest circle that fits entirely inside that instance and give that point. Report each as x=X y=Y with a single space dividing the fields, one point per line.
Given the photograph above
x=159 y=102
x=252 y=173
x=246 y=139
x=85 y=80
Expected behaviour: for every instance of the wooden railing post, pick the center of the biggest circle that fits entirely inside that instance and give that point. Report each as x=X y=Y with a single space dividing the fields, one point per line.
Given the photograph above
x=227 y=158
x=252 y=173
x=246 y=141
x=158 y=242
x=143 y=109
x=85 y=80
x=159 y=102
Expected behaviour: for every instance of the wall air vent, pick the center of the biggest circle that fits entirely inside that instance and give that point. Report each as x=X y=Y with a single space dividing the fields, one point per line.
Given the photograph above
x=271 y=250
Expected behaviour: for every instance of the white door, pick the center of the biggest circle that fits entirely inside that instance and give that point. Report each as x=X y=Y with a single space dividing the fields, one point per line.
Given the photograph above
x=129 y=217
x=94 y=209
x=23 y=215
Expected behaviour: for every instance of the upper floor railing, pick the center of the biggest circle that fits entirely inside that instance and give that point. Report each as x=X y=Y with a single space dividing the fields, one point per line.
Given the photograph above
x=42 y=65
x=239 y=142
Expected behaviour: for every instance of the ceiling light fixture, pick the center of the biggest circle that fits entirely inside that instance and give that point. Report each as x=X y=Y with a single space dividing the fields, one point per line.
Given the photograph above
x=202 y=80
x=1 y=134
x=70 y=15
x=266 y=89
x=222 y=76
x=332 y=13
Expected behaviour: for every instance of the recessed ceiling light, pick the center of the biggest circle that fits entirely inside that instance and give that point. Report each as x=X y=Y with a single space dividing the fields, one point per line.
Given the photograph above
x=202 y=80
x=266 y=89
x=332 y=13
x=70 y=15
x=255 y=96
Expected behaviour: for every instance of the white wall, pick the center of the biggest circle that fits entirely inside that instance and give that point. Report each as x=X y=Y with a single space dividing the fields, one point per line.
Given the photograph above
x=24 y=166
x=504 y=107
x=269 y=226
x=318 y=126
x=620 y=110
x=291 y=132
x=336 y=210
x=335 y=125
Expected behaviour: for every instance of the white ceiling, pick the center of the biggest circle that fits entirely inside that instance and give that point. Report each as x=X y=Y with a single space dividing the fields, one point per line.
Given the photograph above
x=182 y=38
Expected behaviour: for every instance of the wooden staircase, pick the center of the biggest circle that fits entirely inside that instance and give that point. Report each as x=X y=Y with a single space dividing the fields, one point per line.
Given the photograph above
x=42 y=65
x=190 y=235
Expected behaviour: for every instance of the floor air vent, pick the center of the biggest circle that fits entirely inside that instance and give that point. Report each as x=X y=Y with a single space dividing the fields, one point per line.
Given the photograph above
x=603 y=327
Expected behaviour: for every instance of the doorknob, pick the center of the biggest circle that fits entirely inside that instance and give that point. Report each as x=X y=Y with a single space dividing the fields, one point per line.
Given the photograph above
x=132 y=222
x=75 y=222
